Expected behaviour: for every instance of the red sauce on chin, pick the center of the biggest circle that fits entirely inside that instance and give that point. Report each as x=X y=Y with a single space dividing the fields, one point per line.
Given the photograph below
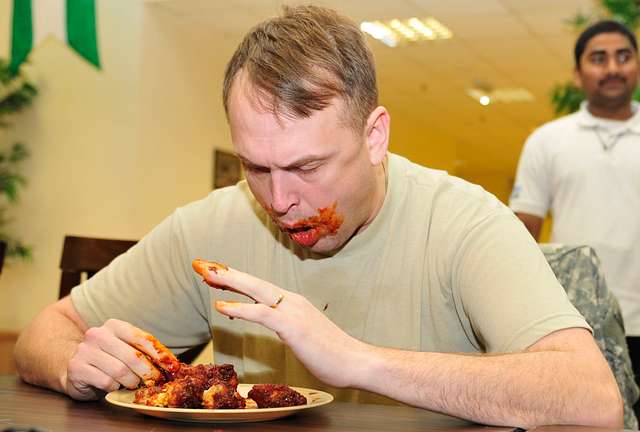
x=327 y=221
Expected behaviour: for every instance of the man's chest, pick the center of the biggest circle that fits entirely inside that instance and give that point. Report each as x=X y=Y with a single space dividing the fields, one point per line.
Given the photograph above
x=596 y=165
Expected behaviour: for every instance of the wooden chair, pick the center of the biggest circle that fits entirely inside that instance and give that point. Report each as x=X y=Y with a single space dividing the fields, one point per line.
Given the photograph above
x=87 y=255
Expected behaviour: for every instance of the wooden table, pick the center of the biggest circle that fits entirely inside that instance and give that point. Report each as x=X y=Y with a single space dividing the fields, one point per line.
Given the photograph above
x=24 y=406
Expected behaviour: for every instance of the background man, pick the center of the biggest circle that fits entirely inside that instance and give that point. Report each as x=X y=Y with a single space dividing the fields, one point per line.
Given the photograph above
x=371 y=274
x=585 y=168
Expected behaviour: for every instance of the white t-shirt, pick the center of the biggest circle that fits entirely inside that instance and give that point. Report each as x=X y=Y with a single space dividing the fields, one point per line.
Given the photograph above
x=586 y=171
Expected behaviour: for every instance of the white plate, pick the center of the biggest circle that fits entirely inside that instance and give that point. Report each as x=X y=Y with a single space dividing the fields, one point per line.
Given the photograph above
x=315 y=398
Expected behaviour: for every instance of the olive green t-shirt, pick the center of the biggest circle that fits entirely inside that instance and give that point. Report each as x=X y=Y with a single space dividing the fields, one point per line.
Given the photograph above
x=443 y=267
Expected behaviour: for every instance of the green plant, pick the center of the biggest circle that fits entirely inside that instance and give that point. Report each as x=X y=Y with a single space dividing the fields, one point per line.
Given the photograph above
x=566 y=97
x=16 y=93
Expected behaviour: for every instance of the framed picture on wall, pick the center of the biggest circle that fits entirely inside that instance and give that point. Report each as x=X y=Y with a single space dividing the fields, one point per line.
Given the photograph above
x=226 y=169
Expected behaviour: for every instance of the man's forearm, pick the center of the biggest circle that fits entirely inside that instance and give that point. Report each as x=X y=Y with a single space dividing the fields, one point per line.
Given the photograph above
x=524 y=389
x=45 y=347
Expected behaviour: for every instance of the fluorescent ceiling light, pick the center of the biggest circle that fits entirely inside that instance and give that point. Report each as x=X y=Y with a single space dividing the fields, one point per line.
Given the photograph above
x=396 y=31
x=500 y=95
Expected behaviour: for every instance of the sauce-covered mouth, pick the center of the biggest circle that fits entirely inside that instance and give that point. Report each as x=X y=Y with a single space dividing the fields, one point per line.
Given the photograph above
x=306 y=232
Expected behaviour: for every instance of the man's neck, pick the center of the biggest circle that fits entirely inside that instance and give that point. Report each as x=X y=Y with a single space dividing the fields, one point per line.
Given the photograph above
x=623 y=112
x=382 y=181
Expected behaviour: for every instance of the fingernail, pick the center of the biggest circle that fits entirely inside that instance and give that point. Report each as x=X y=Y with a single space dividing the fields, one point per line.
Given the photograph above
x=216 y=268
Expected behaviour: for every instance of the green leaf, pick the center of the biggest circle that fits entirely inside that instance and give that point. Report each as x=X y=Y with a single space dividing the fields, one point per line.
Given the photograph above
x=578 y=22
x=566 y=98
x=17 y=249
x=16 y=93
x=624 y=11
x=19 y=152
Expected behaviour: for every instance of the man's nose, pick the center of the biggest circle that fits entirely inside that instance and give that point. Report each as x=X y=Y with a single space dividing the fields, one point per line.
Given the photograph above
x=613 y=66
x=283 y=197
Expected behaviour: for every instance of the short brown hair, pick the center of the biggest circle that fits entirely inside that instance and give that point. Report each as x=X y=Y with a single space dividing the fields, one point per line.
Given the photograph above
x=299 y=62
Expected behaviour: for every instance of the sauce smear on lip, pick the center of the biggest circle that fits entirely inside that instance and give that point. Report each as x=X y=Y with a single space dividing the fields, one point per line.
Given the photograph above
x=326 y=222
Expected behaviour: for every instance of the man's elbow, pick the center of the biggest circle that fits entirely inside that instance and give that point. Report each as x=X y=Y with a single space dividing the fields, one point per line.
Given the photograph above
x=608 y=410
x=614 y=415
x=21 y=360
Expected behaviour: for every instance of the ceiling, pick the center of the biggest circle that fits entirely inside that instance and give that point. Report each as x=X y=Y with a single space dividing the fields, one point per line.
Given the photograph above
x=507 y=43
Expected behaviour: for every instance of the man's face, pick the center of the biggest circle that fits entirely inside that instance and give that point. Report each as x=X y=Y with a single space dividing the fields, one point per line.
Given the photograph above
x=313 y=175
x=608 y=71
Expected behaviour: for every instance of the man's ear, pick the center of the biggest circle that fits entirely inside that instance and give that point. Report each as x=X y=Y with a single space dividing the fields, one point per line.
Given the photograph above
x=577 y=79
x=377 y=134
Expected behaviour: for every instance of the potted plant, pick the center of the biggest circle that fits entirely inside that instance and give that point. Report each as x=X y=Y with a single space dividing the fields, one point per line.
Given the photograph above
x=16 y=93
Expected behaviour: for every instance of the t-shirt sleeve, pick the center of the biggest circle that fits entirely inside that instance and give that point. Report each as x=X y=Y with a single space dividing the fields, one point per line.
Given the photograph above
x=153 y=287
x=505 y=288
x=531 y=191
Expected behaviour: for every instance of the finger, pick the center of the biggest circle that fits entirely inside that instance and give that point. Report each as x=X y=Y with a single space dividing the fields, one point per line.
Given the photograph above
x=204 y=268
x=146 y=343
x=111 y=366
x=110 y=343
x=257 y=313
x=87 y=380
x=257 y=289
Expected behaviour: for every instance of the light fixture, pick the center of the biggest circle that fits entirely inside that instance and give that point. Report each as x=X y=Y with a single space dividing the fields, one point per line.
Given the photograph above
x=486 y=95
x=396 y=31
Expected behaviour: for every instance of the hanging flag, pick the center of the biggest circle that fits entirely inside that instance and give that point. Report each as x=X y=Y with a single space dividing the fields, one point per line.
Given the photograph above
x=72 y=21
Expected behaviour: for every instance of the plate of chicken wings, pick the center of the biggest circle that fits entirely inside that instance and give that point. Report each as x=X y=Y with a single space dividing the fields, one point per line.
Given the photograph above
x=210 y=393
x=251 y=413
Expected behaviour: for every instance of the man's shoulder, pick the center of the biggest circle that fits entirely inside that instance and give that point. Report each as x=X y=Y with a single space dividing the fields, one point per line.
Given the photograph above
x=556 y=127
x=405 y=170
x=439 y=189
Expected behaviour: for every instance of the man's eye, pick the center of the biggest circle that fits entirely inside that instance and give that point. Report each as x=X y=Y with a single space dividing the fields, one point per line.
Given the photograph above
x=597 y=58
x=307 y=170
x=624 y=57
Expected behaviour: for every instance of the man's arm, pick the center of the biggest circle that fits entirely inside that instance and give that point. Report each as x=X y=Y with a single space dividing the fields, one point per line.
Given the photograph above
x=58 y=350
x=561 y=379
x=45 y=347
x=532 y=223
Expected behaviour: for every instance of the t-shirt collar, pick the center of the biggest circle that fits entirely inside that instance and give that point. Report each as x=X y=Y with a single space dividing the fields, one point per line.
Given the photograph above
x=588 y=120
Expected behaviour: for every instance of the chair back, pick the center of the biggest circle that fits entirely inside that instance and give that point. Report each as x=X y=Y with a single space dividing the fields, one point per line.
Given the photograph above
x=578 y=270
x=87 y=255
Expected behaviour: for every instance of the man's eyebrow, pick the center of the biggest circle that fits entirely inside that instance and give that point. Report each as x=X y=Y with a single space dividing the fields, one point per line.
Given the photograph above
x=295 y=164
x=603 y=51
x=246 y=162
x=304 y=161
x=597 y=52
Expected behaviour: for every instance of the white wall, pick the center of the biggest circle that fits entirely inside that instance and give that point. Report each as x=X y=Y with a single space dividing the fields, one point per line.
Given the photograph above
x=113 y=151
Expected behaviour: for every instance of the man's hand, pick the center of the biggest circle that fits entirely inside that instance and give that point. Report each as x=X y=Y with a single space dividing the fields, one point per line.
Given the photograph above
x=83 y=362
x=318 y=343
x=112 y=356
